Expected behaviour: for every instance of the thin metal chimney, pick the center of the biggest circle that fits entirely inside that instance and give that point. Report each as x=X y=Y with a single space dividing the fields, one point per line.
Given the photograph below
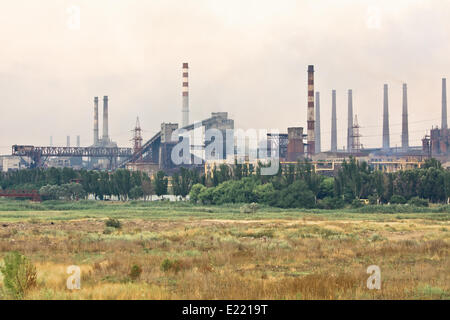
x=386 y=139
x=185 y=95
x=78 y=141
x=105 y=119
x=350 y=121
x=333 y=123
x=317 y=133
x=405 y=129
x=51 y=141
x=68 y=141
x=95 y=120
x=444 y=104
x=310 y=114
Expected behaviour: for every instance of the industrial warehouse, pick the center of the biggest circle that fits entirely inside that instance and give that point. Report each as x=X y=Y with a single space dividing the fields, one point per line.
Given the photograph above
x=297 y=144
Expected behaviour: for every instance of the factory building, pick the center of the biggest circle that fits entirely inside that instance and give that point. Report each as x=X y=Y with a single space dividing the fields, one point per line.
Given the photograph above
x=301 y=140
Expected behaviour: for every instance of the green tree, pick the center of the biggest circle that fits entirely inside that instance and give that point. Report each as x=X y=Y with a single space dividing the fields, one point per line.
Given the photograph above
x=136 y=193
x=161 y=183
x=196 y=190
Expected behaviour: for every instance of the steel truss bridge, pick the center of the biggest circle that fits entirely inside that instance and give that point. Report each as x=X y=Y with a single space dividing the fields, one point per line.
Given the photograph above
x=33 y=194
x=38 y=155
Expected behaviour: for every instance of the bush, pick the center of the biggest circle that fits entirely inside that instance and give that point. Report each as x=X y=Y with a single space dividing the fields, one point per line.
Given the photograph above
x=417 y=202
x=397 y=199
x=169 y=265
x=108 y=230
x=195 y=192
x=135 y=272
x=331 y=203
x=249 y=208
x=19 y=274
x=266 y=193
x=373 y=200
x=356 y=203
x=113 y=223
x=296 y=195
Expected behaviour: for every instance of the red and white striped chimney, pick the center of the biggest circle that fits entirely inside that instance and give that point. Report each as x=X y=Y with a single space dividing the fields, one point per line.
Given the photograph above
x=310 y=114
x=185 y=94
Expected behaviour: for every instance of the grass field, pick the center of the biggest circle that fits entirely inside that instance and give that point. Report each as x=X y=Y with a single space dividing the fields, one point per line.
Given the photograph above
x=199 y=252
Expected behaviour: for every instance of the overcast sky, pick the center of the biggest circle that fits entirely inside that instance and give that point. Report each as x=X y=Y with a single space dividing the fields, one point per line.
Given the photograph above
x=246 y=57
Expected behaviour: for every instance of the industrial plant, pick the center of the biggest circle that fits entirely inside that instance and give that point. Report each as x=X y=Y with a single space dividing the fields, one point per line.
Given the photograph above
x=296 y=143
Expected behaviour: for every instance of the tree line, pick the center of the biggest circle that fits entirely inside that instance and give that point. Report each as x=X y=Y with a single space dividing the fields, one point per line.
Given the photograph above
x=295 y=185
x=298 y=186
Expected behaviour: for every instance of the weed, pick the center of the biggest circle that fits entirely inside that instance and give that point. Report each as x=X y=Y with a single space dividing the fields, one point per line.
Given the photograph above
x=113 y=223
x=135 y=272
x=19 y=275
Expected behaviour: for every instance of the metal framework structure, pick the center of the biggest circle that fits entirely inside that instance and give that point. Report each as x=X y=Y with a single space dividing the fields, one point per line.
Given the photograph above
x=37 y=154
x=280 y=141
x=149 y=151
x=33 y=194
x=137 y=137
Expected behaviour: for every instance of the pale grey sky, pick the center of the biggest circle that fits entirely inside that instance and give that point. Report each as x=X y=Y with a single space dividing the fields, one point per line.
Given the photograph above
x=246 y=57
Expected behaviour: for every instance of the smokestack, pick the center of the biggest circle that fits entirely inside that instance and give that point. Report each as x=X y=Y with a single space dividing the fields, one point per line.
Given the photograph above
x=317 y=133
x=310 y=115
x=105 y=119
x=68 y=141
x=444 y=103
x=333 y=123
x=350 y=121
x=78 y=141
x=405 y=133
x=51 y=141
x=386 y=143
x=95 y=120
x=185 y=94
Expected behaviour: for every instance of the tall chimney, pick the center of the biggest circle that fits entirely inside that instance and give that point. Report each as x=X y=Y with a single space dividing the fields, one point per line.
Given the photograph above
x=185 y=95
x=386 y=142
x=51 y=141
x=405 y=133
x=310 y=114
x=95 y=120
x=317 y=133
x=105 y=119
x=333 y=123
x=444 y=104
x=350 y=121
x=68 y=141
x=78 y=141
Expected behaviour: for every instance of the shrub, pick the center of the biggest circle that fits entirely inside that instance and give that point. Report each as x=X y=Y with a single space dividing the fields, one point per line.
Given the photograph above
x=397 y=199
x=296 y=195
x=169 y=265
x=135 y=272
x=113 y=223
x=249 y=208
x=373 y=200
x=19 y=274
x=417 y=202
x=376 y=237
x=266 y=193
x=108 y=230
x=195 y=192
x=331 y=203
x=356 y=203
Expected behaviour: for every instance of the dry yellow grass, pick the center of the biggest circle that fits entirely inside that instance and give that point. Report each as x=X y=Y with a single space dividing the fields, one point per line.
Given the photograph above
x=305 y=258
